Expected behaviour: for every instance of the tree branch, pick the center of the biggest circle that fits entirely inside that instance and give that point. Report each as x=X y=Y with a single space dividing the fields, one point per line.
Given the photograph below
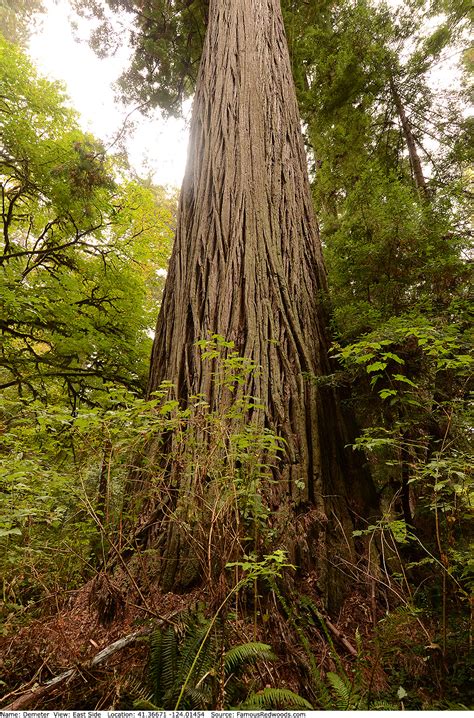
x=32 y=695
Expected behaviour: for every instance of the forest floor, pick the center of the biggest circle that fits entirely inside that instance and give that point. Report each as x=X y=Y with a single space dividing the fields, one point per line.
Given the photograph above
x=70 y=633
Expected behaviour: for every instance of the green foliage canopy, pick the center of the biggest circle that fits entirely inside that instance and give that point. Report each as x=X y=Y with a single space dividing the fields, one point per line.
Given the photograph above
x=82 y=244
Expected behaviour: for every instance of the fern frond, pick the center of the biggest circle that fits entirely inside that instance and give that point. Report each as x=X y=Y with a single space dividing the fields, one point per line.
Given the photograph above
x=237 y=657
x=143 y=705
x=383 y=706
x=189 y=650
x=195 y=699
x=310 y=609
x=342 y=690
x=156 y=639
x=274 y=699
x=166 y=672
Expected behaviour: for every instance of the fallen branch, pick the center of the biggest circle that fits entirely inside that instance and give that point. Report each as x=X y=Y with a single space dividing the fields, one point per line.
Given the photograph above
x=25 y=700
x=340 y=637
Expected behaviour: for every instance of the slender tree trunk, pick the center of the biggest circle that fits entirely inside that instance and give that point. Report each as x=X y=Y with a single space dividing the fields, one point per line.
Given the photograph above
x=247 y=265
x=102 y=502
x=415 y=161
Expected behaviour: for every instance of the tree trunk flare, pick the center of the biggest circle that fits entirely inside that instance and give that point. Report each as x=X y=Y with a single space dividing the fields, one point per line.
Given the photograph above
x=247 y=263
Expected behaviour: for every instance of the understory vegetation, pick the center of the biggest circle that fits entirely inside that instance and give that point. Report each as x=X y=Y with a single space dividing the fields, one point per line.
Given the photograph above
x=86 y=456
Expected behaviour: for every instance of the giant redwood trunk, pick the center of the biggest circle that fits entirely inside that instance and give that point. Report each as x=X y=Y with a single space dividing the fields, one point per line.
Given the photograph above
x=247 y=265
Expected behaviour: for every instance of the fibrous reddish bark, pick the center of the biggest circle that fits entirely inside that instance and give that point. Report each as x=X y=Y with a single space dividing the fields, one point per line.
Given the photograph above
x=247 y=261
